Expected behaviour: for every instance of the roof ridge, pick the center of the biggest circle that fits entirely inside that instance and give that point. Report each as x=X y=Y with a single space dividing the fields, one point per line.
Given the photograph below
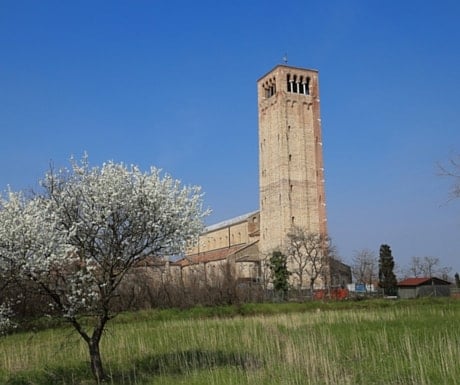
x=231 y=221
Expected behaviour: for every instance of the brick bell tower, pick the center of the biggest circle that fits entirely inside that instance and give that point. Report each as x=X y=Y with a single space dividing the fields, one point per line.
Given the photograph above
x=291 y=172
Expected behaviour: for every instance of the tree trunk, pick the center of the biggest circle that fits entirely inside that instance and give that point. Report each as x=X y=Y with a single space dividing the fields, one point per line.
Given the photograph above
x=96 y=361
x=94 y=352
x=93 y=346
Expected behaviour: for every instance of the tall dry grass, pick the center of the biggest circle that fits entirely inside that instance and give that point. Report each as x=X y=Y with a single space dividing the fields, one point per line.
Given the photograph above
x=416 y=344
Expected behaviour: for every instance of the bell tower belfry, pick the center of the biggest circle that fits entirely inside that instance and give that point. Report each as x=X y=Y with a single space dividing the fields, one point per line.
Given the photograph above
x=291 y=172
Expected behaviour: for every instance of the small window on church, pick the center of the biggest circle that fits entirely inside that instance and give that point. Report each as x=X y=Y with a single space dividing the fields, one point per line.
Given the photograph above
x=292 y=220
x=289 y=85
x=290 y=157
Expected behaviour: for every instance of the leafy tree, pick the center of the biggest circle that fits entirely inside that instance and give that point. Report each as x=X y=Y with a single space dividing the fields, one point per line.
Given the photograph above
x=365 y=266
x=387 y=278
x=308 y=255
x=279 y=272
x=77 y=240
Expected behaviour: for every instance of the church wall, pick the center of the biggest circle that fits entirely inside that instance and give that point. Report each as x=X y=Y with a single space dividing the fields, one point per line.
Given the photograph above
x=193 y=275
x=228 y=236
x=211 y=273
x=217 y=272
x=247 y=270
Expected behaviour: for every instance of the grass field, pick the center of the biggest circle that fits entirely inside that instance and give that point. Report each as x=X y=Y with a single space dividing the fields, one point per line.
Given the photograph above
x=394 y=342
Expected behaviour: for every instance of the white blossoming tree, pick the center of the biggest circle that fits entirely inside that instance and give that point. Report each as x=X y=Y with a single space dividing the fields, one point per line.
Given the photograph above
x=77 y=241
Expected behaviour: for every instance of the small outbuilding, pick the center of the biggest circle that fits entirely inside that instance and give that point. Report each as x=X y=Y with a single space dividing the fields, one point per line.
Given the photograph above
x=423 y=287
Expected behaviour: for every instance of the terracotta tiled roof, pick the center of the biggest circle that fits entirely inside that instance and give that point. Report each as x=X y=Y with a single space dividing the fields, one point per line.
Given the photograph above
x=421 y=281
x=208 y=256
x=413 y=281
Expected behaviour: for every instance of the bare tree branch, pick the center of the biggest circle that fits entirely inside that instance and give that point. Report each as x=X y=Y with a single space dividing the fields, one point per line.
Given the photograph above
x=452 y=171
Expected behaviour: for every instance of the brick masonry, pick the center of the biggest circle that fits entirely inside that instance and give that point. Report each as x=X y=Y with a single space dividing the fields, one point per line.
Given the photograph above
x=291 y=171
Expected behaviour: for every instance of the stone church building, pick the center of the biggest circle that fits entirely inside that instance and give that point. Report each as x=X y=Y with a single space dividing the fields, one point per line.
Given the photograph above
x=291 y=188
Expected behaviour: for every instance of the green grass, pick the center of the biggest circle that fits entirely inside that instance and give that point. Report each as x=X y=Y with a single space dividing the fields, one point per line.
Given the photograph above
x=367 y=342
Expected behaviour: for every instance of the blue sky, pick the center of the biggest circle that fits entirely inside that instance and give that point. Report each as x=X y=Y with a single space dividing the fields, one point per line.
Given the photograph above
x=173 y=84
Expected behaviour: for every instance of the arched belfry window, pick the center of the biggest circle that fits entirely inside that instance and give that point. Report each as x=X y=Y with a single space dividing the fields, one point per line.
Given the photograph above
x=298 y=84
x=270 y=88
x=307 y=86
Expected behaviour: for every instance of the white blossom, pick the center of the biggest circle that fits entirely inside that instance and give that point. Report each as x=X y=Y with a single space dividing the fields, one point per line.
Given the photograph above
x=6 y=323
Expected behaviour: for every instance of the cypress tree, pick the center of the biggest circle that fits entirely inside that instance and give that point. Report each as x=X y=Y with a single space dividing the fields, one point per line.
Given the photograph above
x=280 y=273
x=387 y=278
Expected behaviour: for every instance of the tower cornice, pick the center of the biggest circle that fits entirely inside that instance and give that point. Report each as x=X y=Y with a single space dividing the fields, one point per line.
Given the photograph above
x=287 y=67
